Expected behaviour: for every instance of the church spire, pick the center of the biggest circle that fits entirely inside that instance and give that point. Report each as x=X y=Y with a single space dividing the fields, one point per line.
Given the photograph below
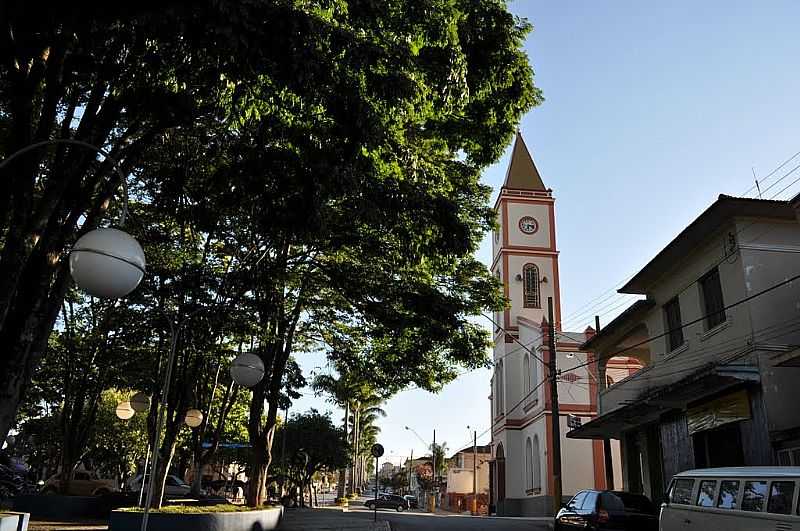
x=522 y=173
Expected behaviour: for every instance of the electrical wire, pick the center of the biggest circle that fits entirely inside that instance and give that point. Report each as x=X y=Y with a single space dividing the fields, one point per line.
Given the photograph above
x=694 y=321
x=574 y=316
x=773 y=172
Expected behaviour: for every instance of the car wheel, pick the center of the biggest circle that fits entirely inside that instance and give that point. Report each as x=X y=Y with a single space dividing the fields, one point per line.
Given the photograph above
x=371 y=506
x=400 y=508
x=102 y=492
x=50 y=491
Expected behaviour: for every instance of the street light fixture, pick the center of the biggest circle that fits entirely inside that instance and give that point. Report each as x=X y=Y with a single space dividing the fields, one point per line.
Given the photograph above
x=140 y=402
x=247 y=369
x=193 y=418
x=104 y=262
x=124 y=411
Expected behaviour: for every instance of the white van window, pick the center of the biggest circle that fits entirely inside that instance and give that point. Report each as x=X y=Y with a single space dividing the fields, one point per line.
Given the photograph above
x=728 y=492
x=682 y=491
x=705 y=495
x=754 y=494
x=780 y=497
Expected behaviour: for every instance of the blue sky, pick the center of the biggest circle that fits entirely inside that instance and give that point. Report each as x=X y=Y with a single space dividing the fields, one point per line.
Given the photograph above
x=652 y=110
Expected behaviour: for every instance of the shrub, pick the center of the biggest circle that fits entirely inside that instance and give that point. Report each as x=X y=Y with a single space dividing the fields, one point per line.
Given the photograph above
x=341 y=501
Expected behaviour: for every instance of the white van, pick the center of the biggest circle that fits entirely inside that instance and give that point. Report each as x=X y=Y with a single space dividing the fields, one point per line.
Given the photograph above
x=733 y=499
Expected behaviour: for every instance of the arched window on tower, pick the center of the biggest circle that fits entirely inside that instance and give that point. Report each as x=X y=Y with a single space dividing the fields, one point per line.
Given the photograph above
x=499 y=401
x=536 y=473
x=530 y=286
x=526 y=370
x=528 y=466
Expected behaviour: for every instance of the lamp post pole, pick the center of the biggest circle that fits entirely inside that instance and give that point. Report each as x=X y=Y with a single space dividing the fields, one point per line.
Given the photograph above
x=159 y=420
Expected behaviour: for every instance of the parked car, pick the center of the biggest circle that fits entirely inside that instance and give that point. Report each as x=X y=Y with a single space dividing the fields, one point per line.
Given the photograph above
x=595 y=510
x=412 y=501
x=388 y=501
x=173 y=485
x=82 y=483
x=735 y=499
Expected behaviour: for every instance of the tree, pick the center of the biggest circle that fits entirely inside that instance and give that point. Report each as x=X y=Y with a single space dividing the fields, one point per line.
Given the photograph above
x=439 y=456
x=399 y=481
x=313 y=444
x=344 y=149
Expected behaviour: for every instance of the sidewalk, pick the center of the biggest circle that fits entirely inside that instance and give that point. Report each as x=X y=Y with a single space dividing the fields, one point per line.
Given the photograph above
x=328 y=519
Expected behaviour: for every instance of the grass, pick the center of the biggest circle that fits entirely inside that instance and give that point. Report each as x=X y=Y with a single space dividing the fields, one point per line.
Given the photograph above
x=198 y=509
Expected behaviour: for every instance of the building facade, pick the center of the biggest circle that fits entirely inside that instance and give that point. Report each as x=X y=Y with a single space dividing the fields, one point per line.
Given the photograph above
x=525 y=260
x=717 y=333
x=460 y=474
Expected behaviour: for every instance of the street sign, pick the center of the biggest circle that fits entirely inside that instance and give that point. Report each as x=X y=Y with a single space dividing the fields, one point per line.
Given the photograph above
x=574 y=421
x=377 y=450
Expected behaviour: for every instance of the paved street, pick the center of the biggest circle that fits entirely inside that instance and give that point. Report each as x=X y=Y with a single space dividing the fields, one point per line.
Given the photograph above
x=421 y=521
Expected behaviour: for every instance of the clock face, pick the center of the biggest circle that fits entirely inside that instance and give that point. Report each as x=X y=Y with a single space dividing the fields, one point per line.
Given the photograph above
x=528 y=225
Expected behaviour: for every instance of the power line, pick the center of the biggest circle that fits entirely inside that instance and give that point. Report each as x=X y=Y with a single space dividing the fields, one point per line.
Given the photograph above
x=506 y=333
x=572 y=317
x=694 y=321
x=773 y=172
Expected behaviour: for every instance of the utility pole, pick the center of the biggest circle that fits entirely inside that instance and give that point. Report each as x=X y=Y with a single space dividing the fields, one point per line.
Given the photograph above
x=410 y=470
x=554 y=418
x=475 y=473
x=435 y=482
x=609 y=464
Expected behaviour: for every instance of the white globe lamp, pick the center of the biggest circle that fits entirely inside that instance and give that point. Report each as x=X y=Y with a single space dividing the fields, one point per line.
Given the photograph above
x=247 y=369
x=107 y=263
x=193 y=418
x=140 y=402
x=125 y=411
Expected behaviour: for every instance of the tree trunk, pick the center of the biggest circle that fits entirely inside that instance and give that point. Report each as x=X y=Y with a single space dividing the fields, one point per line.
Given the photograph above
x=356 y=435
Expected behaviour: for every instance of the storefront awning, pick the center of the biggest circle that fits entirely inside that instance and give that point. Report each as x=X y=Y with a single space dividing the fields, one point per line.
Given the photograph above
x=703 y=383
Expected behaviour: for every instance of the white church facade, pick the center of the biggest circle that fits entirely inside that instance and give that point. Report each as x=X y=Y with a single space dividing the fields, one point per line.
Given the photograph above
x=525 y=259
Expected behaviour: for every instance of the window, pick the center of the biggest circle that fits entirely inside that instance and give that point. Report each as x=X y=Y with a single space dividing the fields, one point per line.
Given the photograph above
x=672 y=313
x=780 y=497
x=682 y=491
x=526 y=369
x=499 y=405
x=528 y=465
x=705 y=494
x=712 y=299
x=530 y=286
x=728 y=492
x=537 y=466
x=590 y=501
x=754 y=494
x=577 y=502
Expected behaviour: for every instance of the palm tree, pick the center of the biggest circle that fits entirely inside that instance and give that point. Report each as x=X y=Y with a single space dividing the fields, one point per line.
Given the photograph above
x=340 y=391
x=366 y=412
x=439 y=453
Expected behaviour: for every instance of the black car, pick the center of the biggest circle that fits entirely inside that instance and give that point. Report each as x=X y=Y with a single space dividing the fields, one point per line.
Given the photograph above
x=595 y=510
x=388 y=501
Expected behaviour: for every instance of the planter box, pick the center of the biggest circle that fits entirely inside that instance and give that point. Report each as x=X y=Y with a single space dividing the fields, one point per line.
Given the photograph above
x=263 y=520
x=14 y=521
x=59 y=506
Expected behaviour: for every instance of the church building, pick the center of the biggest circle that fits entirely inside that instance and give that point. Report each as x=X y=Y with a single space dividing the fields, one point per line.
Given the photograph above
x=525 y=259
